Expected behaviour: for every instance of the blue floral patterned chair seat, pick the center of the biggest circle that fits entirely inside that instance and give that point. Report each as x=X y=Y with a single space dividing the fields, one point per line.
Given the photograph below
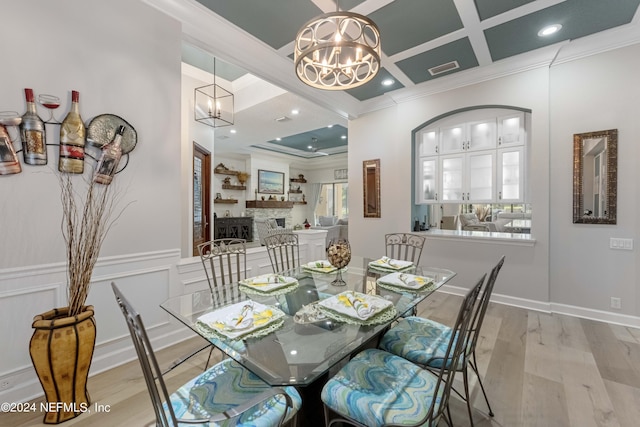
x=378 y=388
x=224 y=387
x=422 y=341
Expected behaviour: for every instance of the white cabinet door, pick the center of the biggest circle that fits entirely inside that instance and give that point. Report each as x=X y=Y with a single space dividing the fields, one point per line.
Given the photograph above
x=453 y=139
x=481 y=135
x=427 y=179
x=480 y=175
x=511 y=130
x=511 y=175
x=452 y=176
x=428 y=142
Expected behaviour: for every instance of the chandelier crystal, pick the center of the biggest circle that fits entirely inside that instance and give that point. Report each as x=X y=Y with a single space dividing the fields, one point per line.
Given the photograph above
x=337 y=51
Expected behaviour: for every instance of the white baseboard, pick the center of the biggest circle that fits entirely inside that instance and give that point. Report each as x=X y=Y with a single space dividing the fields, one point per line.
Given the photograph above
x=551 y=307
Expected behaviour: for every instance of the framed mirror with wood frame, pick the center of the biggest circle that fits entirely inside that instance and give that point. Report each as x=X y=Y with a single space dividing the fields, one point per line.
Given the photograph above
x=595 y=177
x=371 y=188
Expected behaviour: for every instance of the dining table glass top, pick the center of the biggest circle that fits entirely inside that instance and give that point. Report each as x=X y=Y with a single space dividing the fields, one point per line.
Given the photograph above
x=300 y=330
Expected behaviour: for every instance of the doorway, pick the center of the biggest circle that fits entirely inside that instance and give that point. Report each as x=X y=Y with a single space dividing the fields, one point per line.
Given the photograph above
x=201 y=196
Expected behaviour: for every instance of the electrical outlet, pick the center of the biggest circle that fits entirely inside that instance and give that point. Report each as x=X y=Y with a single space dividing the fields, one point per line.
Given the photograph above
x=616 y=303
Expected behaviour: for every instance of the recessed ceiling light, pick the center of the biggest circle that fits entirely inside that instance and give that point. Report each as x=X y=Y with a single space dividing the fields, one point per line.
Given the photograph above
x=344 y=137
x=330 y=126
x=309 y=147
x=278 y=139
x=232 y=131
x=549 y=29
x=295 y=111
x=387 y=82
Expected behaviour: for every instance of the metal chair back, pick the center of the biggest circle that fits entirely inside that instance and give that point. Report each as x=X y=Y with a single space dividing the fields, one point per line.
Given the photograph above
x=150 y=368
x=283 y=250
x=224 y=262
x=404 y=246
x=455 y=350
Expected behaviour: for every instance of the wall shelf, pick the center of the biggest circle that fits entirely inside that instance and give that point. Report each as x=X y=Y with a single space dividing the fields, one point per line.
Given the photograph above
x=302 y=181
x=225 y=201
x=268 y=204
x=233 y=187
x=295 y=191
x=299 y=203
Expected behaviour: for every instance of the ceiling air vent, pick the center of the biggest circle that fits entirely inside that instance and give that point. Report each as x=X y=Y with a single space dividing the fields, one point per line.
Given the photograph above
x=439 y=69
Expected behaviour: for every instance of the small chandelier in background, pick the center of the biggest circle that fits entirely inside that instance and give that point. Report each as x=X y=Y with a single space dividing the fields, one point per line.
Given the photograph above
x=213 y=105
x=337 y=51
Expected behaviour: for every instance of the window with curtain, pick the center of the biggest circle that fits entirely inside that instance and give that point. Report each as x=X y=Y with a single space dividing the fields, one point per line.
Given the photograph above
x=333 y=200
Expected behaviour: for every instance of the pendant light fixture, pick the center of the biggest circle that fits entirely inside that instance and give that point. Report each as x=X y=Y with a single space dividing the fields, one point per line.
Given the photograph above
x=213 y=105
x=338 y=50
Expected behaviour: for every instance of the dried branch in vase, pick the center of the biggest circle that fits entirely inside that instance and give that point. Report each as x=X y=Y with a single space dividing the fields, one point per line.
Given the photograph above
x=86 y=220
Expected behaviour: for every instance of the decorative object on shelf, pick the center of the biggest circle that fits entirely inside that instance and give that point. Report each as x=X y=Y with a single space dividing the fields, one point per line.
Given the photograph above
x=282 y=198
x=303 y=199
x=227 y=180
x=270 y=182
x=213 y=104
x=301 y=177
x=33 y=134
x=339 y=255
x=337 y=51
x=261 y=197
x=218 y=196
x=297 y=227
x=306 y=224
x=242 y=177
x=9 y=163
x=72 y=137
x=62 y=344
x=102 y=129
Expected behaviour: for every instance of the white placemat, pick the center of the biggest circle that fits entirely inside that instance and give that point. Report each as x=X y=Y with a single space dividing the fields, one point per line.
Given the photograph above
x=241 y=319
x=358 y=308
x=405 y=281
x=271 y=284
x=389 y=264
x=321 y=266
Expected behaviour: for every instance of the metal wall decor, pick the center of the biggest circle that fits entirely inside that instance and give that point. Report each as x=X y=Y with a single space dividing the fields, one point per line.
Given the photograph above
x=371 y=188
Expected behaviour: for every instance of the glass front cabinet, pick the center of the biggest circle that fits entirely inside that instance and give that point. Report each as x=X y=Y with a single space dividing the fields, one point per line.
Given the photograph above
x=479 y=161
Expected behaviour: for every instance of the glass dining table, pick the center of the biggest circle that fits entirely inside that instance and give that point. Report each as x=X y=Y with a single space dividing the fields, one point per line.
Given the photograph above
x=304 y=345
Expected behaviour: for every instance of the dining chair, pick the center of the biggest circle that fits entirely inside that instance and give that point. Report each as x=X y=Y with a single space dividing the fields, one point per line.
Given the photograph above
x=378 y=388
x=420 y=340
x=283 y=250
x=404 y=246
x=224 y=262
x=227 y=393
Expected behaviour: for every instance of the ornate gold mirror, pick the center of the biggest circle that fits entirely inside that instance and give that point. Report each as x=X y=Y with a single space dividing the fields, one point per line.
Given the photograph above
x=371 y=188
x=595 y=177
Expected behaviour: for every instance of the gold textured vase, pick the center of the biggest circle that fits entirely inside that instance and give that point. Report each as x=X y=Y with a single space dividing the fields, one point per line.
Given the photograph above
x=61 y=350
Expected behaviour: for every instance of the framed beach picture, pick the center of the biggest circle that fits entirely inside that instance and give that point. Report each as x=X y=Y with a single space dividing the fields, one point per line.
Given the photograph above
x=270 y=182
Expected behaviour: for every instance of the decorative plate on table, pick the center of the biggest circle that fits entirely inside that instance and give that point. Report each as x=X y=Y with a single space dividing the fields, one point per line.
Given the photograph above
x=270 y=283
x=356 y=307
x=321 y=266
x=386 y=263
x=102 y=129
x=243 y=319
x=402 y=281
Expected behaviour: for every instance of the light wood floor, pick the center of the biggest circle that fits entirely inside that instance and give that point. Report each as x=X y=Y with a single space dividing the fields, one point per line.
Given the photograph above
x=539 y=370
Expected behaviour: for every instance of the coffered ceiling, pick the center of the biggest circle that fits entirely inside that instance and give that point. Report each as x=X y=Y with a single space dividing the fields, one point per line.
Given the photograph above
x=473 y=40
